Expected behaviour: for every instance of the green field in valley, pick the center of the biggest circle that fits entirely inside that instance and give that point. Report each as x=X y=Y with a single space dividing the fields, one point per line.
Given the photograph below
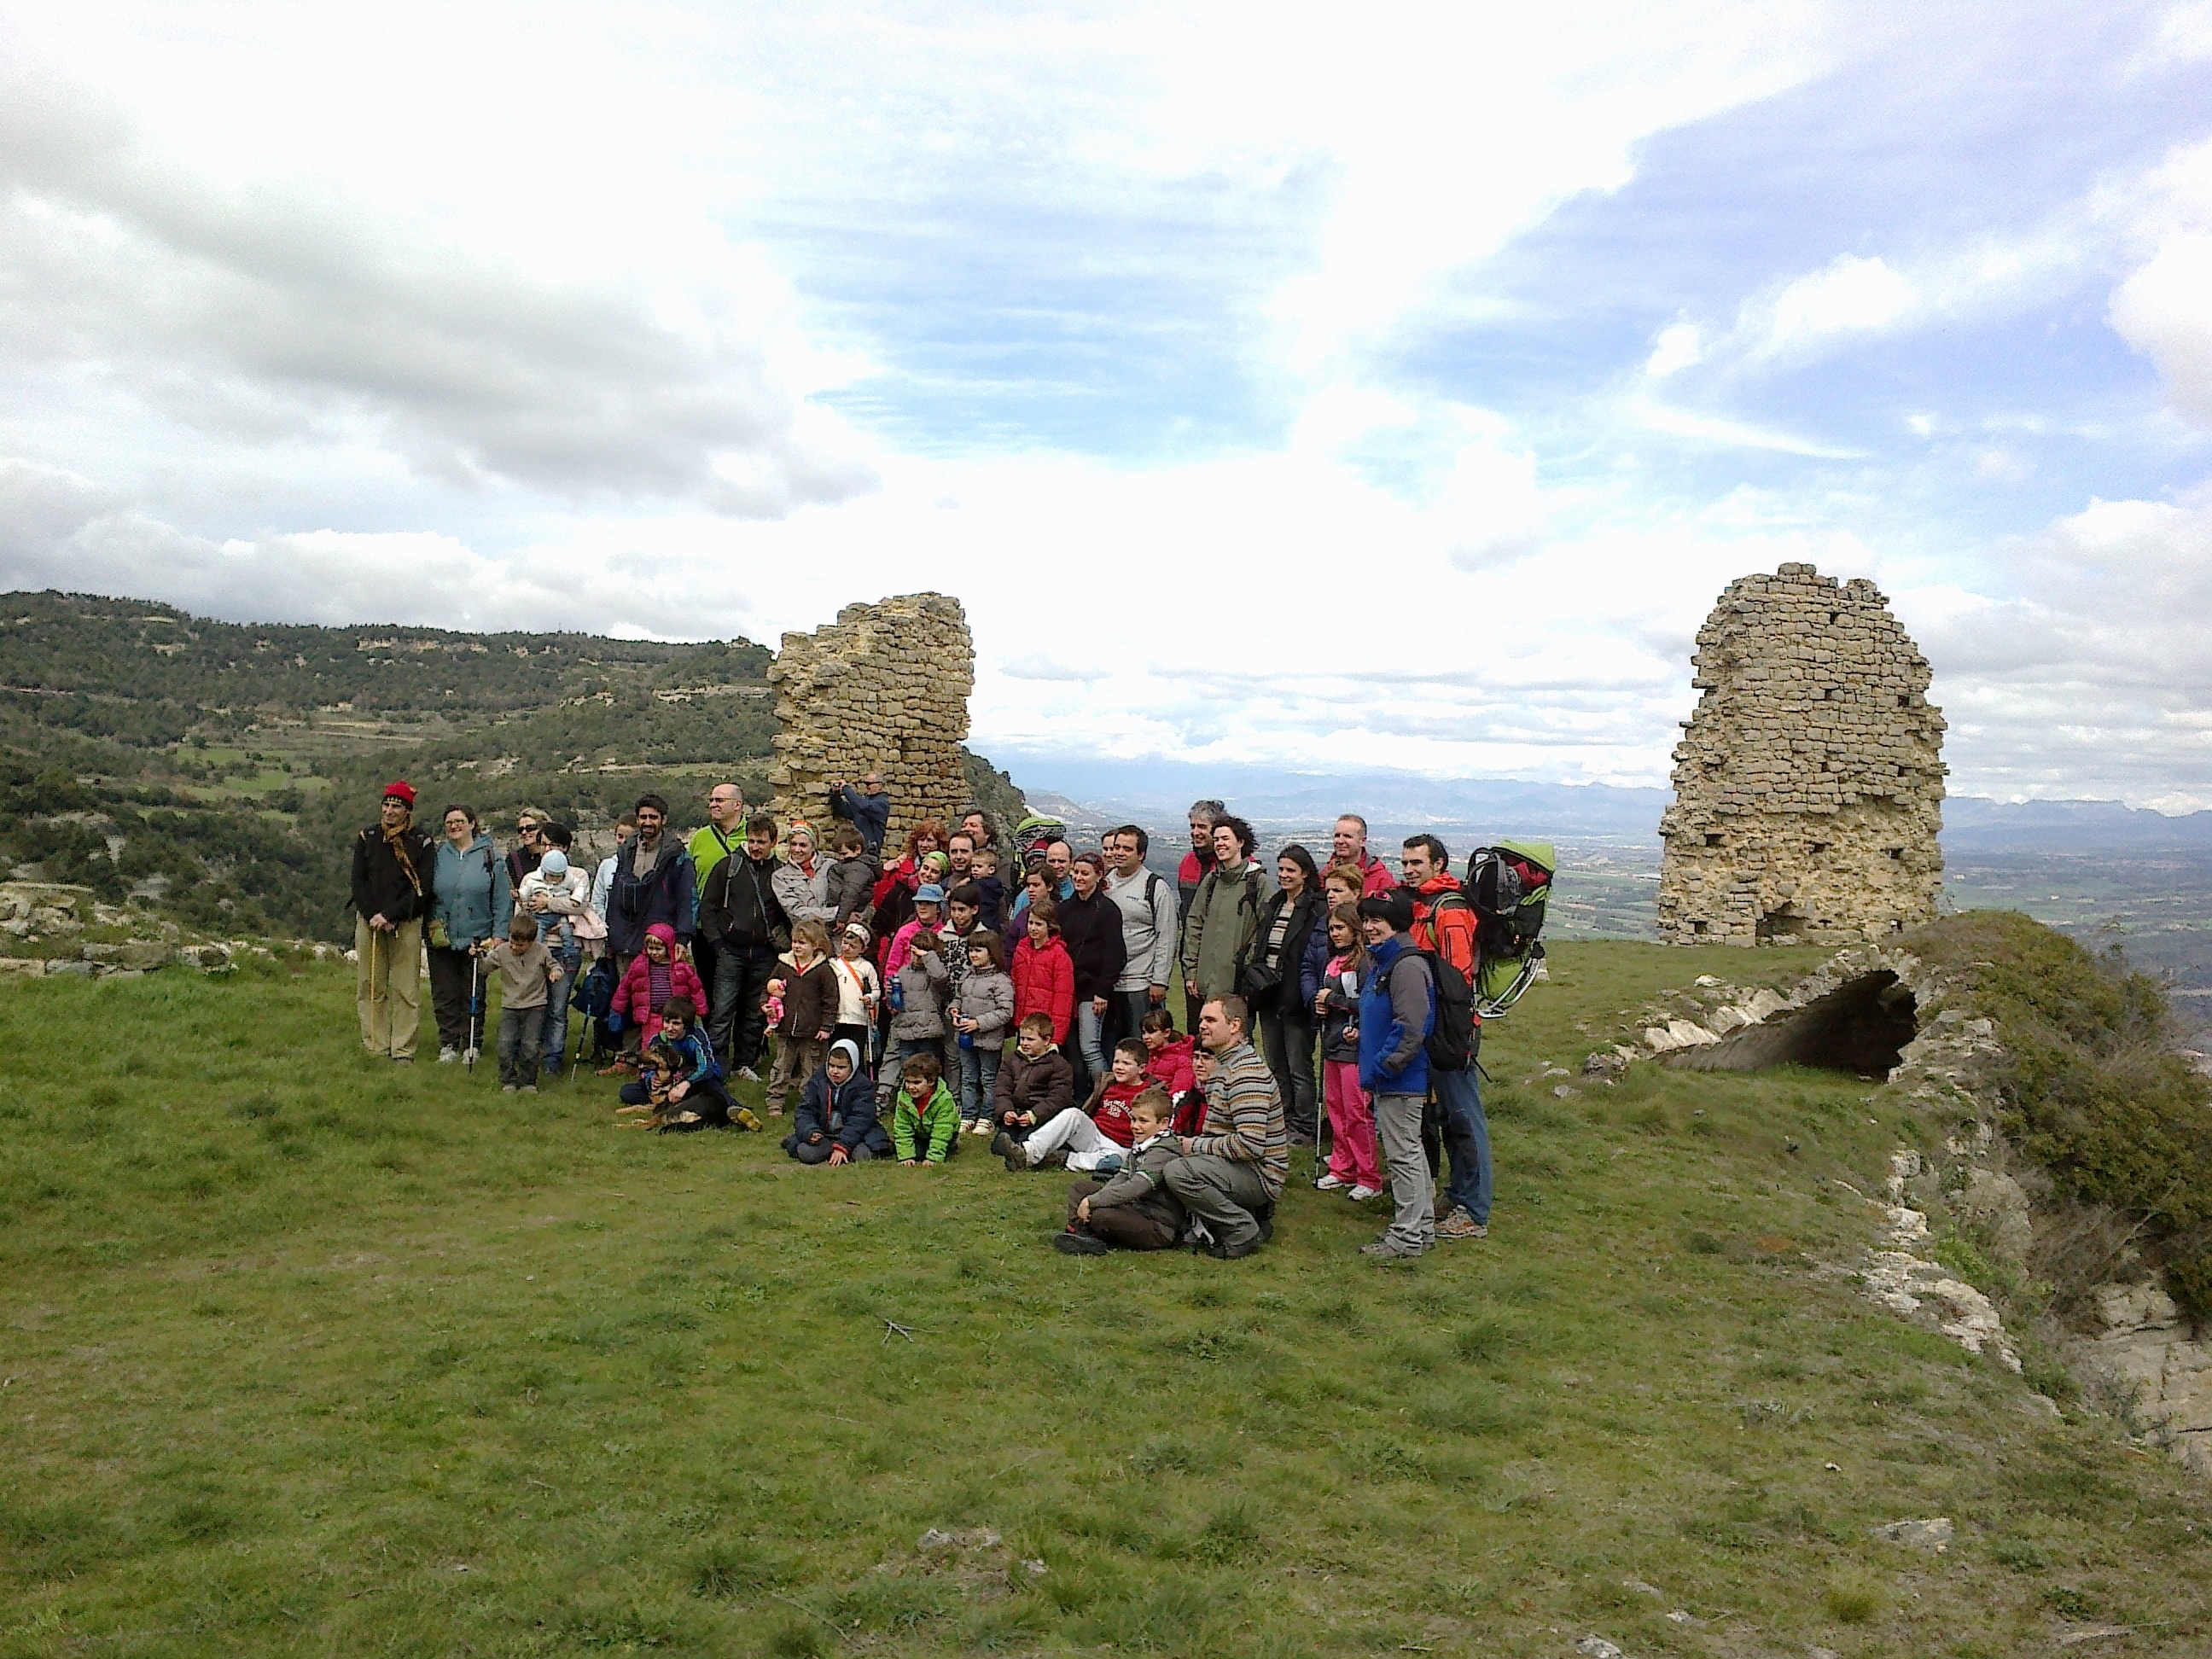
x=304 y=1353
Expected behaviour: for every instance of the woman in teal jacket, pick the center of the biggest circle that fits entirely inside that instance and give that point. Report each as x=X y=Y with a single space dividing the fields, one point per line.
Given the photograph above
x=471 y=903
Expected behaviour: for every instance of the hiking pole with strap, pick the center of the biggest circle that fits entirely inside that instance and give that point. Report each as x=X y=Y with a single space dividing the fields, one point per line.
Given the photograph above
x=376 y=986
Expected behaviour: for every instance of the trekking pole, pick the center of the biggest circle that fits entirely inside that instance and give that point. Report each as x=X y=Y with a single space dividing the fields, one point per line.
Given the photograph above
x=376 y=987
x=469 y=1060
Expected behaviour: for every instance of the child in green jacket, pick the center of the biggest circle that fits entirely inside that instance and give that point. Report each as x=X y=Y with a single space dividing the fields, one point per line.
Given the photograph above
x=926 y=1124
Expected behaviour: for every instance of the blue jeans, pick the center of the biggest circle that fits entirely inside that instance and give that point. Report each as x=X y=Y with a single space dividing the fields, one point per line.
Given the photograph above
x=1466 y=1140
x=1091 y=1061
x=556 y=1009
x=979 y=1078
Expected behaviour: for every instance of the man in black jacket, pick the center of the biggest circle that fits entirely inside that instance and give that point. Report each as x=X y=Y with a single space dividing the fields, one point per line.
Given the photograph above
x=393 y=862
x=652 y=882
x=739 y=916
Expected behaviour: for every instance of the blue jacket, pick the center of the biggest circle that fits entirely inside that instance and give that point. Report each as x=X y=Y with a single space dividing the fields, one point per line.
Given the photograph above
x=1396 y=991
x=869 y=814
x=668 y=892
x=1312 y=966
x=472 y=896
x=850 y=1119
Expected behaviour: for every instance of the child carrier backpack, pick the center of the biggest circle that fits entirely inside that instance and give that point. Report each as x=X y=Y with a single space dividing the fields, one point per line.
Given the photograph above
x=1510 y=885
x=595 y=999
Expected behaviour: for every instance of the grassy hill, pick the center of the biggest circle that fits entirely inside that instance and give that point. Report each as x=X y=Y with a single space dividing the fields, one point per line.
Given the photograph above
x=307 y=1354
x=217 y=769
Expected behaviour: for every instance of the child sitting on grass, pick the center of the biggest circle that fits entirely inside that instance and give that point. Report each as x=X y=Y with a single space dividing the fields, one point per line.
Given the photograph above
x=808 y=999
x=1035 y=1082
x=528 y=973
x=927 y=1128
x=680 y=1082
x=1169 y=1062
x=1093 y=1138
x=1135 y=1209
x=656 y=975
x=836 y=1121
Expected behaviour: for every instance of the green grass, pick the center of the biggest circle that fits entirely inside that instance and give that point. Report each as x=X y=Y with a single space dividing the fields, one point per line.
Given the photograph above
x=307 y=1354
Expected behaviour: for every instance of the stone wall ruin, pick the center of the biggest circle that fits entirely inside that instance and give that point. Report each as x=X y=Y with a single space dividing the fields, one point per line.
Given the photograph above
x=884 y=688
x=1808 y=785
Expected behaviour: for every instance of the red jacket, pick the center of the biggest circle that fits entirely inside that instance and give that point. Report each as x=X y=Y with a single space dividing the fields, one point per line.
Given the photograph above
x=1375 y=877
x=633 y=996
x=1456 y=926
x=1044 y=983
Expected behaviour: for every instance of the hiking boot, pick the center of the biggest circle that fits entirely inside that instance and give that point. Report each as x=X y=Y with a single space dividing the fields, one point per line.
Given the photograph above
x=1361 y=1194
x=1071 y=1242
x=1017 y=1155
x=1265 y=1215
x=1233 y=1252
x=1331 y=1183
x=1388 y=1249
x=1460 y=1224
x=448 y=1054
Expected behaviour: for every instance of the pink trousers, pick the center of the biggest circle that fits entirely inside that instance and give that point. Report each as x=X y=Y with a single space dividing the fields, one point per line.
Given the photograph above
x=1351 y=1122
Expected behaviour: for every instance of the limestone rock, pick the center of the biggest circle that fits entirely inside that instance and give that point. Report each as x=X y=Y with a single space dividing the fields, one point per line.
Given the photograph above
x=884 y=688
x=2146 y=1344
x=1808 y=785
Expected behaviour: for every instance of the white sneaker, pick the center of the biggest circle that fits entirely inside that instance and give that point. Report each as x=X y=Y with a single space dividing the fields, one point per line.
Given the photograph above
x=749 y=1074
x=472 y=1056
x=448 y=1054
x=1330 y=1183
x=1361 y=1194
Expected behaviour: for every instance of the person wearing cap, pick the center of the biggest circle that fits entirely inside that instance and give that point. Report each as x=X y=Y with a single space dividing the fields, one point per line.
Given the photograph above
x=860 y=990
x=471 y=903
x=393 y=864
x=558 y=894
x=929 y=913
x=868 y=809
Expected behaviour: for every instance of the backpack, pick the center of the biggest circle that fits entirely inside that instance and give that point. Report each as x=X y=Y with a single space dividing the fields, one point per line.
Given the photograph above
x=1451 y=1036
x=1510 y=886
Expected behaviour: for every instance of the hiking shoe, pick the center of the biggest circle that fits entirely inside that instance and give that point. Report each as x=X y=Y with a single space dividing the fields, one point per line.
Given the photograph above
x=1233 y=1252
x=1460 y=1224
x=448 y=1054
x=1017 y=1155
x=744 y=1118
x=1361 y=1194
x=1331 y=1183
x=1072 y=1243
x=1388 y=1249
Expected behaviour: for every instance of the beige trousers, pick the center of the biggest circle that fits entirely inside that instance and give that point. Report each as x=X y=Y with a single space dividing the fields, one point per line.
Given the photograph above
x=387 y=987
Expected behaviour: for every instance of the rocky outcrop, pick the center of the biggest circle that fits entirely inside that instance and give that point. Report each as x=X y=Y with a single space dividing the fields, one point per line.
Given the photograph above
x=2148 y=1346
x=1809 y=784
x=884 y=688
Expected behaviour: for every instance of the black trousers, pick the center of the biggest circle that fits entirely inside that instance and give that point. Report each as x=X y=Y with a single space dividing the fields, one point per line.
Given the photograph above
x=449 y=996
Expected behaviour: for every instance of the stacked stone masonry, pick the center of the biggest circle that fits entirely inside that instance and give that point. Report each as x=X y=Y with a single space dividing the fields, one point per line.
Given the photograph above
x=884 y=688
x=1808 y=785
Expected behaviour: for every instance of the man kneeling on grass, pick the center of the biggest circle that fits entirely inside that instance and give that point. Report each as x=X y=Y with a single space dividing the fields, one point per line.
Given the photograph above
x=926 y=1124
x=836 y=1121
x=680 y=1086
x=1135 y=1209
x=1230 y=1176
x=1087 y=1138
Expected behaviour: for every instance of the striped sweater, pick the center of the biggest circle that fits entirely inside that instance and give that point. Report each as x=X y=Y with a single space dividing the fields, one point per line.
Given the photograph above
x=1245 y=1110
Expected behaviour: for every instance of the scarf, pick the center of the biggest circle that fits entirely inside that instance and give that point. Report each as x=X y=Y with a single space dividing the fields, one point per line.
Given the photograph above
x=395 y=839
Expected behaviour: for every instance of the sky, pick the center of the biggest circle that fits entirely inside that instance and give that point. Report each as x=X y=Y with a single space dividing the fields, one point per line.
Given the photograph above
x=1336 y=389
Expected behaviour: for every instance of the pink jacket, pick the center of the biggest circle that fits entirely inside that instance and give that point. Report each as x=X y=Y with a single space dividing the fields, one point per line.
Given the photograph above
x=633 y=996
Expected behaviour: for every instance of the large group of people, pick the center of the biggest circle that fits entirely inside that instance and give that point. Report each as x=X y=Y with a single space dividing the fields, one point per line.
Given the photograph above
x=970 y=982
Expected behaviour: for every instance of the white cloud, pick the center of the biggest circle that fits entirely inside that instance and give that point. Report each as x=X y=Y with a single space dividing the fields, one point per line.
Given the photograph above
x=2164 y=310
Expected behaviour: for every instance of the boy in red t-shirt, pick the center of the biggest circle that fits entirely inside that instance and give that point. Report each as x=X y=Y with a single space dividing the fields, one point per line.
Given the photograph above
x=1084 y=1140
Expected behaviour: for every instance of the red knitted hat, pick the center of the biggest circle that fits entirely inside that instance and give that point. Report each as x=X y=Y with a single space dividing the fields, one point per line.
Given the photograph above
x=400 y=790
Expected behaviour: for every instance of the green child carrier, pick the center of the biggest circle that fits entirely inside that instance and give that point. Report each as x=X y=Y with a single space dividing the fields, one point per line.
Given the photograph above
x=1508 y=885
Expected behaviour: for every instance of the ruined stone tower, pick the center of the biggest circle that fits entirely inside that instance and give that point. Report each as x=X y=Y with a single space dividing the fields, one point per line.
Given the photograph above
x=1808 y=786
x=884 y=688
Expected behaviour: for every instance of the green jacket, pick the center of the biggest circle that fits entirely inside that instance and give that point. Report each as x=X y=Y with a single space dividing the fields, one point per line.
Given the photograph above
x=708 y=849
x=935 y=1124
x=1216 y=935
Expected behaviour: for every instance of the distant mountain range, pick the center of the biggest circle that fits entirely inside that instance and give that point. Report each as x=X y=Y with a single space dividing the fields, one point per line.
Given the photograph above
x=1090 y=793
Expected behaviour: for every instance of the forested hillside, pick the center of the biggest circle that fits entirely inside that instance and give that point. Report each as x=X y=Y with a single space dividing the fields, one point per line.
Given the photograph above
x=215 y=769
